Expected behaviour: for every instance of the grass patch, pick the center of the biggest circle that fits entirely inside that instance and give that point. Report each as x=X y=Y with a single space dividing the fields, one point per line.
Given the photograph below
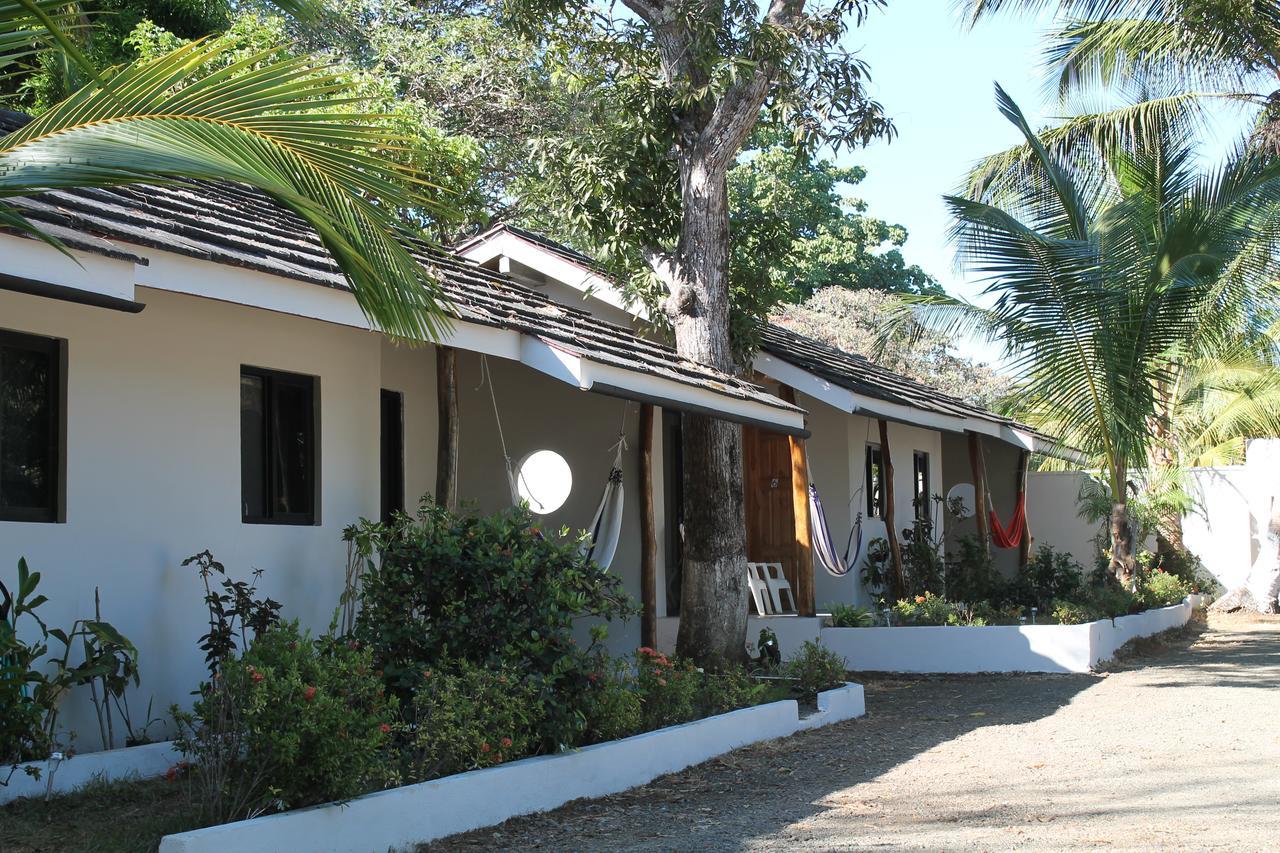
x=111 y=817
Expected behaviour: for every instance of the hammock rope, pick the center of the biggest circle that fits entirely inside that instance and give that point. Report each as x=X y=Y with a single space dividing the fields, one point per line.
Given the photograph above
x=823 y=543
x=601 y=544
x=1011 y=536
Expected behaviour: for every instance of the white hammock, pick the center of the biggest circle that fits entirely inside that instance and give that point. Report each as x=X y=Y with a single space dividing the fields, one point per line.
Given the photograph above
x=601 y=544
x=606 y=528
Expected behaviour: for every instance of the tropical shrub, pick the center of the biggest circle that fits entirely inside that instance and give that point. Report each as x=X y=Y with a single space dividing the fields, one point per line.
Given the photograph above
x=469 y=719
x=291 y=722
x=35 y=679
x=614 y=708
x=815 y=669
x=1073 y=612
x=922 y=560
x=1048 y=575
x=492 y=591
x=971 y=574
x=728 y=690
x=1161 y=589
x=668 y=689
x=930 y=609
x=236 y=613
x=851 y=616
x=876 y=567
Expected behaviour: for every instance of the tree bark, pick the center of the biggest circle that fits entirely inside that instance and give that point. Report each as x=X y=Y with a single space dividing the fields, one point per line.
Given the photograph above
x=898 y=582
x=1123 y=561
x=447 y=438
x=648 y=534
x=713 y=603
x=1024 y=547
x=981 y=510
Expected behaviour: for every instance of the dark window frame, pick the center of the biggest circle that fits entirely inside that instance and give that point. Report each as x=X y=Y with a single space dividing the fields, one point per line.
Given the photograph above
x=53 y=512
x=875 y=482
x=270 y=380
x=391 y=490
x=921 y=497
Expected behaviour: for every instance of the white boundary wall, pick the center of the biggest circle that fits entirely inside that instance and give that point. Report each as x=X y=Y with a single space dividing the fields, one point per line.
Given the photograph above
x=998 y=648
x=402 y=817
x=69 y=774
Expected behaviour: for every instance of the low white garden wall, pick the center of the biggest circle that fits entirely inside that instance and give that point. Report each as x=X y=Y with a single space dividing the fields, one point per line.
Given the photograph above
x=135 y=762
x=997 y=648
x=401 y=817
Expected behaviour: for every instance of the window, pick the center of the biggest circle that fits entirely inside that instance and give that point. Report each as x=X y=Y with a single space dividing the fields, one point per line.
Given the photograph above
x=30 y=427
x=920 y=493
x=392 y=453
x=875 y=482
x=277 y=447
x=544 y=481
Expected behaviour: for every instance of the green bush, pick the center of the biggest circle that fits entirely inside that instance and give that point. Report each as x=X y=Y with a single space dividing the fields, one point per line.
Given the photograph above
x=291 y=722
x=491 y=591
x=851 y=616
x=668 y=689
x=1073 y=612
x=614 y=708
x=469 y=719
x=1048 y=575
x=971 y=573
x=815 y=669
x=1161 y=589
x=729 y=690
x=930 y=609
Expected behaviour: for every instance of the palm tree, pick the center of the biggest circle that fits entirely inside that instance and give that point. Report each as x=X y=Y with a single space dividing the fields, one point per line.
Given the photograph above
x=271 y=122
x=1175 y=56
x=1111 y=268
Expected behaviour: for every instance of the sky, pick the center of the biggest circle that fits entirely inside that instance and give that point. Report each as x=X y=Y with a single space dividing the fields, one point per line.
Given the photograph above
x=935 y=79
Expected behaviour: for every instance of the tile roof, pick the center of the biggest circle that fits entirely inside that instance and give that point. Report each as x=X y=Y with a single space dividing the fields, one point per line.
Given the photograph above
x=863 y=376
x=240 y=226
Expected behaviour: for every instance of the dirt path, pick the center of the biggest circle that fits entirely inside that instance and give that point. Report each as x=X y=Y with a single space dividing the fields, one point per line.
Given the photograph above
x=1178 y=749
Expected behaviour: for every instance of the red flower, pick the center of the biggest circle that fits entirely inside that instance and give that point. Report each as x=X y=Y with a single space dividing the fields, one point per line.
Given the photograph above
x=484 y=747
x=385 y=729
x=309 y=694
x=257 y=676
x=506 y=741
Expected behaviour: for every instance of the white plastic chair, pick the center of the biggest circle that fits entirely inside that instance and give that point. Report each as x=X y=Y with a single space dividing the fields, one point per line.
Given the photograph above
x=776 y=582
x=759 y=588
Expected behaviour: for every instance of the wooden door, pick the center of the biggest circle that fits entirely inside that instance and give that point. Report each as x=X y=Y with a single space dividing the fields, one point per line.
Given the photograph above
x=771 y=520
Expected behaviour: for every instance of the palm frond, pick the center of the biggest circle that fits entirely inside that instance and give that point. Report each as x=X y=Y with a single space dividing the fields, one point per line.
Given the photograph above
x=264 y=122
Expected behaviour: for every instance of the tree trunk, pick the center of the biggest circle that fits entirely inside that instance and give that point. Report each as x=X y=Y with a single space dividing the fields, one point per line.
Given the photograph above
x=981 y=509
x=447 y=438
x=1161 y=461
x=648 y=534
x=1024 y=546
x=713 y=604
x=897 y=581
x=1123 y=562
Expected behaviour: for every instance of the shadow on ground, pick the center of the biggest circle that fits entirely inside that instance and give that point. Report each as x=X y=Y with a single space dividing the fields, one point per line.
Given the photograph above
x=727 y=801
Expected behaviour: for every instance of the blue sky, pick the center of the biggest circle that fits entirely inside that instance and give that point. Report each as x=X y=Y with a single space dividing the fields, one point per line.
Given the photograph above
x=936 y=79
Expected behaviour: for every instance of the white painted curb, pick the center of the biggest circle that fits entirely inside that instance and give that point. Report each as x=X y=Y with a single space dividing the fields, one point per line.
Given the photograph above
x=134 y=762
x=402 y=817
x=998 y=648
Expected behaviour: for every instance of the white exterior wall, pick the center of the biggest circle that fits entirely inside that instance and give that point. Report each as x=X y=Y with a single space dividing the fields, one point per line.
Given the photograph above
x=153 y=469
x=539 y=413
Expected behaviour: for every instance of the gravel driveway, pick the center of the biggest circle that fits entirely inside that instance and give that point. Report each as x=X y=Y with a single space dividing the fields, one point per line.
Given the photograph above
x=1178 y=748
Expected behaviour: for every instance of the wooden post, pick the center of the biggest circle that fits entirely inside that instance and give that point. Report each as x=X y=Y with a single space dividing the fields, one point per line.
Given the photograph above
x=805 y=604
x=891 y=530
x=447 y=438
x=648 y=534
x=1024 y=547
x=978 y=462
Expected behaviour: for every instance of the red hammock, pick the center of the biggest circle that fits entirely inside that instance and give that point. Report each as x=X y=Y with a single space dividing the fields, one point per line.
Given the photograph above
x=1011 y=536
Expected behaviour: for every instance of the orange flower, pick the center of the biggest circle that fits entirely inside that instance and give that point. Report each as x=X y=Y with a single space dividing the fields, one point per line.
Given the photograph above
x=920 y=599
x=309 y=694
x=506 y=741
x=385 y=729
x=484 y=747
